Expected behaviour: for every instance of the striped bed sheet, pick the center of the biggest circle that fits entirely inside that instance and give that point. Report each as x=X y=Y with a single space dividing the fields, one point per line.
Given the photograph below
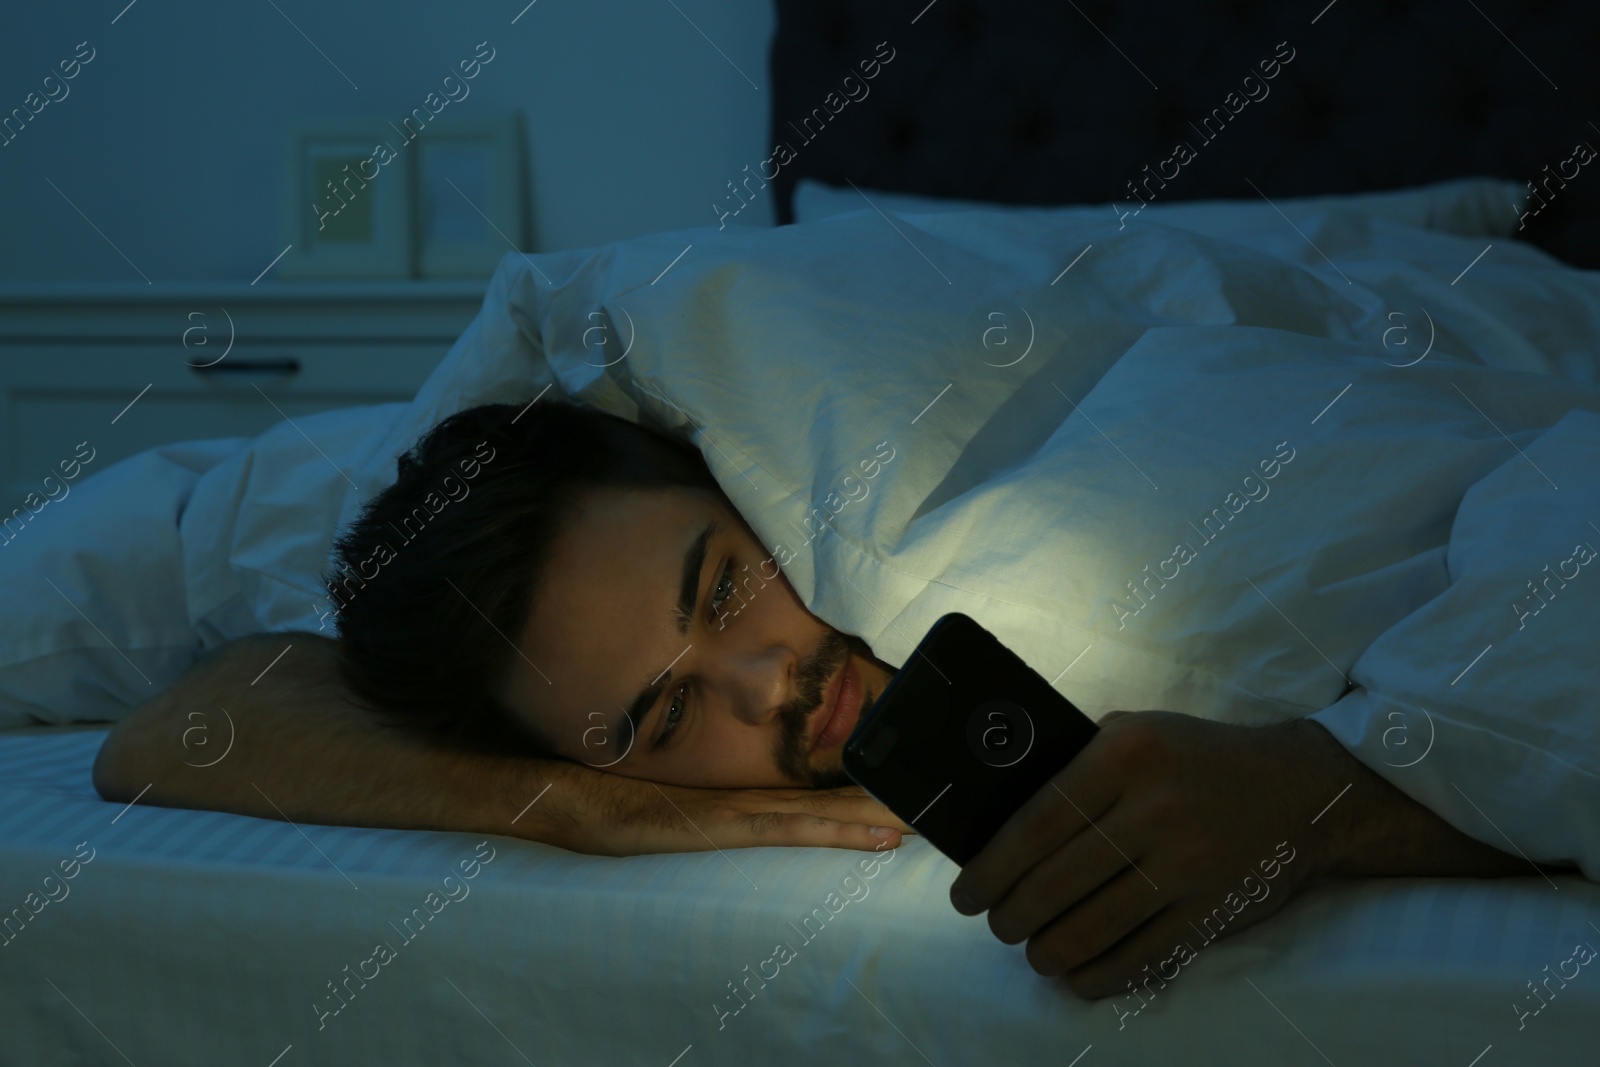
x=189 y=937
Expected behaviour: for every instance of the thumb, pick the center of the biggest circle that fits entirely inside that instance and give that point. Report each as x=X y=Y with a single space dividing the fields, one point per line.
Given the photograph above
x=1108 y=716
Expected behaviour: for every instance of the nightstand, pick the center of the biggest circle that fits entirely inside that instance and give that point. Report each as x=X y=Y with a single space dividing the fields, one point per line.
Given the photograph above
x=128 y=367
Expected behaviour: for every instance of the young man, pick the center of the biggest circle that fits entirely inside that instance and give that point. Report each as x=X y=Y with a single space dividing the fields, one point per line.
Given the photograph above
x=554 y=624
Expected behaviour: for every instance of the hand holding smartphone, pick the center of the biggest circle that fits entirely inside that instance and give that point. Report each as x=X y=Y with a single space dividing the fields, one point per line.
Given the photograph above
x=962 y=736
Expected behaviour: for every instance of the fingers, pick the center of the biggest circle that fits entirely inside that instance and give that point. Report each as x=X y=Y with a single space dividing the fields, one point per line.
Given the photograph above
x=731 y=826
x=1095 y=926
x=811 y=831
x=700 y=820
x=1157 y=950
x=1075 y=878
x=851 y=804
x=878 y=815
x=1078 y=795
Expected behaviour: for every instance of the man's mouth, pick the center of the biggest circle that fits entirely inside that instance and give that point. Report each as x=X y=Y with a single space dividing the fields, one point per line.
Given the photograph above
x=840 y=709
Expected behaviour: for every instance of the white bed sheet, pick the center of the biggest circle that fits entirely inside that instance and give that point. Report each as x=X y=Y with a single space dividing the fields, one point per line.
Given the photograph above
x=200 y=938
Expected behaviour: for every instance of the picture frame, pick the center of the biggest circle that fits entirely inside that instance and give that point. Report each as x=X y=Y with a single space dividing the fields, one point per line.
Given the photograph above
x=346 y=201
x=470 y=206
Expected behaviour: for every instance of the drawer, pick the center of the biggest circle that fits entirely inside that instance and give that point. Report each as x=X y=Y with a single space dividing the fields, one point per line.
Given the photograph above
x=122 y=400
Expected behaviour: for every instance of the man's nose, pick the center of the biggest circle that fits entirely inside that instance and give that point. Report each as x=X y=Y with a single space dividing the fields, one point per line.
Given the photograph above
x=760 y=687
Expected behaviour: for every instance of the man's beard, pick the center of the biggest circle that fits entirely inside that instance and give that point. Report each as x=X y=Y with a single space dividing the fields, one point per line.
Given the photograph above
x=793 y=755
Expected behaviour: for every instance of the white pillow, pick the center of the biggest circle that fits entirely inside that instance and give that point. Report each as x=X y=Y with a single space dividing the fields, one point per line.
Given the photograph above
x=1466 y=206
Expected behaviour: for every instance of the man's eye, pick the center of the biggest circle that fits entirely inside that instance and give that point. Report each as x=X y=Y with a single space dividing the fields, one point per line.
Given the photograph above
x=670 y=724
x=719 y=598
x=673 y=718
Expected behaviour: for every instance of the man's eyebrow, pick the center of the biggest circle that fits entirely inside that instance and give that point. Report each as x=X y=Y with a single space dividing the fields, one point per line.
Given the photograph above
x=694 y=561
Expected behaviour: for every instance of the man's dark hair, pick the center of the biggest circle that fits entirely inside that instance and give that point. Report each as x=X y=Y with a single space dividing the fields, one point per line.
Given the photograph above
x=469 y=525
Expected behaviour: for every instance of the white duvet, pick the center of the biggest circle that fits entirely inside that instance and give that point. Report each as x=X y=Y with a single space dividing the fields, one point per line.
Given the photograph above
x=1323 y=462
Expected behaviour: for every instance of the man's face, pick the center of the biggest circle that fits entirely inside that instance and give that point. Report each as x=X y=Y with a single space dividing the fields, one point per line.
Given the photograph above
x=736 y=693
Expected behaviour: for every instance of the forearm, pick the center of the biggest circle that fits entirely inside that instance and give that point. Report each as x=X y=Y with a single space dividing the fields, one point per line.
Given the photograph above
x=1376 y=829
x=298 y=748
x=290 y=744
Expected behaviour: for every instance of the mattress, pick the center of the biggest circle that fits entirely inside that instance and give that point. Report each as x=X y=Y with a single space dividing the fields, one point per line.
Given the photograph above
x=200 y=938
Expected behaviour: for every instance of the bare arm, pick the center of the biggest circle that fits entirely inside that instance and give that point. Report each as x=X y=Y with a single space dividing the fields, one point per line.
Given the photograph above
x=298 y=748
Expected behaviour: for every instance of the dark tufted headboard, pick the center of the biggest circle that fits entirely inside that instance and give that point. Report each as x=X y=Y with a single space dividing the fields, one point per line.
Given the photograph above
x=1072 y=101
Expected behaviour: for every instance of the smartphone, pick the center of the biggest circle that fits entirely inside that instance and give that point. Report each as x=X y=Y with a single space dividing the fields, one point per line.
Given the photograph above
x=962 y=736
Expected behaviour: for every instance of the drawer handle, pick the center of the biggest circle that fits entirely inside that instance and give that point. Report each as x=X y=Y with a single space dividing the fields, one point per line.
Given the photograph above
x=281 y=365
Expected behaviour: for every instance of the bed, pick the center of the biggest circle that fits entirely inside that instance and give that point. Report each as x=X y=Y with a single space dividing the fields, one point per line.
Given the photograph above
x=1052 y=394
